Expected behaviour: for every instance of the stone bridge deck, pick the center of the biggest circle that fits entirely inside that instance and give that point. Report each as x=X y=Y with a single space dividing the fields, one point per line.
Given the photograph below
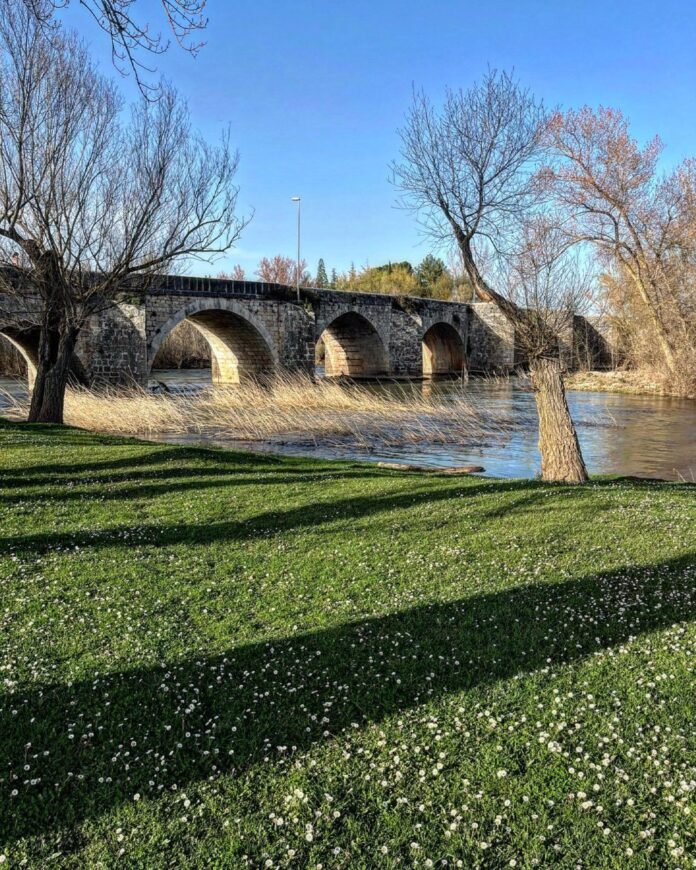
x=254 y=328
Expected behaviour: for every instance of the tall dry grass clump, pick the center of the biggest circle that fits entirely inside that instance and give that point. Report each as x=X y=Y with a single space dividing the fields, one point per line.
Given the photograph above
x=634 y=339
x=286 y=407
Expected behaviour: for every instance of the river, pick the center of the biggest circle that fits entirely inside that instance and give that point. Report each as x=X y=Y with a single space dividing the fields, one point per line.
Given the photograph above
x=645 y=436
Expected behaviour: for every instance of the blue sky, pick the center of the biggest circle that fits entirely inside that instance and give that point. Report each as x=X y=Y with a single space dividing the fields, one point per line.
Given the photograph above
x=314 y=93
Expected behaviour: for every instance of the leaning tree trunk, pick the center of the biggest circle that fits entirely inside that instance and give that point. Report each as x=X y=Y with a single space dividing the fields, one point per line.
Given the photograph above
x=655 y=318
x=56 y=345
x=561 y=459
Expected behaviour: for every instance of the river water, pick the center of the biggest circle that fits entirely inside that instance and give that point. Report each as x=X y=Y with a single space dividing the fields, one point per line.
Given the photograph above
x=645 y=436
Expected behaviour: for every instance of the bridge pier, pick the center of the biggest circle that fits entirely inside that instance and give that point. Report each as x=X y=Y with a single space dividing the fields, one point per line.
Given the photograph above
x=491 y=340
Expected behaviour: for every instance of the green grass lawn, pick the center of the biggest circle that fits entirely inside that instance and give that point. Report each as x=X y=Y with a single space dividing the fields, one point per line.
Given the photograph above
x=215 y=659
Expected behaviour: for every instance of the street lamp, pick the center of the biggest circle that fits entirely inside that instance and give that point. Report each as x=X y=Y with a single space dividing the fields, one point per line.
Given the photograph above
x=297 y=272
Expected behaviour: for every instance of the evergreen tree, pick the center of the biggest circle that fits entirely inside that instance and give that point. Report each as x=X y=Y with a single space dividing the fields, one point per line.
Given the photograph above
x=334 y=279
x=322 y=279
x=430 y=271
x=403 y=266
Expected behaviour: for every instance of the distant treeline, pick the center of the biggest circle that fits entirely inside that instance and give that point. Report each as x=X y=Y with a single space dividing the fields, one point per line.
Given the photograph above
x=431 y=278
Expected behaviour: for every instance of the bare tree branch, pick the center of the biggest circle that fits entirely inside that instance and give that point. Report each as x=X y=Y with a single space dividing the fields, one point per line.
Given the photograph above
x=91 y=206
x=131 y=37
x=467 y=169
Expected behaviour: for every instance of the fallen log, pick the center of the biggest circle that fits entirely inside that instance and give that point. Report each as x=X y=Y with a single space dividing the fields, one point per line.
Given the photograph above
x=428 y=469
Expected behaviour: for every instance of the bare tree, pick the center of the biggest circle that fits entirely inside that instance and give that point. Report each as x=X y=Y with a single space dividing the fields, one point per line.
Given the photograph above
x=132 y=37
x=92 y=206
x=469 y=172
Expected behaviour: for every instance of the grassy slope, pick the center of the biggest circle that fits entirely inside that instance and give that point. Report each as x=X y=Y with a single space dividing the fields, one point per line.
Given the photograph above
x=212 y=655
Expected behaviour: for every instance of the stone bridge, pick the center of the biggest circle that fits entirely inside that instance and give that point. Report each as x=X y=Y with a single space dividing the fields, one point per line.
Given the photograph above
x=254 y=328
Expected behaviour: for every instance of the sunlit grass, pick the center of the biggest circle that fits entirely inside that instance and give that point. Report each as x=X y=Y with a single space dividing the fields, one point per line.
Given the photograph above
x=215 y=659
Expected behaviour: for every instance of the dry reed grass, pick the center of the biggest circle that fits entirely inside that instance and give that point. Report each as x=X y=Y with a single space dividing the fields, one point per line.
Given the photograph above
x=649 y=382
x=287 y=407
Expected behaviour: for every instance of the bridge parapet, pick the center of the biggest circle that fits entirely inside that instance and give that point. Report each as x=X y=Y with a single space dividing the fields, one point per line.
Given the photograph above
x=189 y=285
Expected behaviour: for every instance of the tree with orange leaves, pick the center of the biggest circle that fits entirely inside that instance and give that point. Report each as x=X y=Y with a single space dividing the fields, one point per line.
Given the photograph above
x=283 y=270
x=615 y=198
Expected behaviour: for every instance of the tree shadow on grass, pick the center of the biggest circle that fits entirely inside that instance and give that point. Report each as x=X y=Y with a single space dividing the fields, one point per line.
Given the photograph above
x=426 y=490
x=309 y=515
x=151 y=484
x=159 y=461
x=170 y=469
x=97 y=742
x=312 y=515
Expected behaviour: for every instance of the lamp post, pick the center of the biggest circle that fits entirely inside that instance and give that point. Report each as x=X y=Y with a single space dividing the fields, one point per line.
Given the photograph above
x=297 y=271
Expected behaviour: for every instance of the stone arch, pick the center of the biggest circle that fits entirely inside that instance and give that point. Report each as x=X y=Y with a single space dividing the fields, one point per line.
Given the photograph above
x=353 y=347
x=26 y=341
x=27 y=344
x=443 y=351
x=240 y=345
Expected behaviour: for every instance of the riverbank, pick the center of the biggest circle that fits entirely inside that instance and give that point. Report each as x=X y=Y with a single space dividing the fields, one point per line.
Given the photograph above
x=213 y=658
x=628 y=381
x=486 y=422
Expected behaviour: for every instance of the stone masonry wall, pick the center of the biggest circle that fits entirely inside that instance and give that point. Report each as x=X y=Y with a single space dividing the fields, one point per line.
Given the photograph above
x=119 y=345
x=112 y=347
x=411 y=318
x=491 y=339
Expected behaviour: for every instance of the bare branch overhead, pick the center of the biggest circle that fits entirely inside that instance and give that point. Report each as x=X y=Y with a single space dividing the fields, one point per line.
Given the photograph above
x=467 y=168
x=93 y=204
x=132 y=38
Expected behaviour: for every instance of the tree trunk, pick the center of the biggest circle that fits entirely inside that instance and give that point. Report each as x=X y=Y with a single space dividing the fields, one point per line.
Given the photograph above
x=561 y=459
x=658 y=325
x=482 y=291
x=57 y=341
